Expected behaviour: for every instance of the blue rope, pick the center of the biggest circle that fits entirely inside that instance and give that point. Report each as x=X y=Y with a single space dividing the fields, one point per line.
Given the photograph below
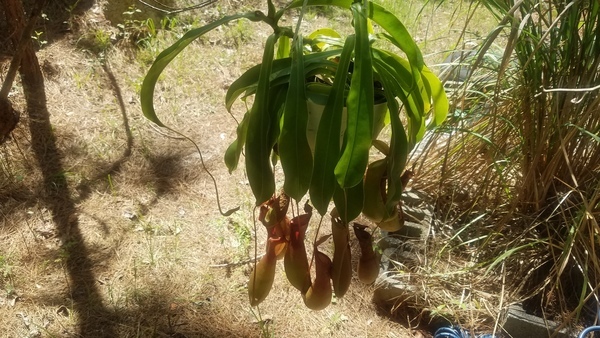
x=456 y=332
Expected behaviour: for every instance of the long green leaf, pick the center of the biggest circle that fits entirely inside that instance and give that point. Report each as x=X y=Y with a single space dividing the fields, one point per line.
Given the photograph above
x=349 y=201
x=283 y=47
x=261 y=125
x=233 y=152
x=438 y=96
x=351 y=167
x=247 y=82
x=399 y=35
x=294 y=151
x=277 y=97
x=164 y=58
x=323 y=38
x=398 y=153
x=410 y=96
x=388 y=21
x=327 y=145
x=400 y=69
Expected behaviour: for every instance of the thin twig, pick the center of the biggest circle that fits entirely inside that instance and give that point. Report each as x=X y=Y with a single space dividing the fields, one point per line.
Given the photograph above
x=212 y=177
x=157 y=129
x=502 y=294
x=171 y=10
x=548 y=90
x=227 y=265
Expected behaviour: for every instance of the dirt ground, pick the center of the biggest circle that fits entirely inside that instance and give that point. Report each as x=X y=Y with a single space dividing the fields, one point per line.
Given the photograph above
x=120 y=235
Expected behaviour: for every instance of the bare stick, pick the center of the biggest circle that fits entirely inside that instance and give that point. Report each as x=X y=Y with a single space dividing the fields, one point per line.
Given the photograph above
x=547 y=90
x=227 y=265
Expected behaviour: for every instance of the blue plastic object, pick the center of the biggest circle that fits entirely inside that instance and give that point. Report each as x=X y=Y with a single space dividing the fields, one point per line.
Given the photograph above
x=456 y=332
x=588 y=330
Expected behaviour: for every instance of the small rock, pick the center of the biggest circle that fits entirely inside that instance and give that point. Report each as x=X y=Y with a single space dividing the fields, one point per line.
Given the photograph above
x=11 y=299
x=24 y=318
x=265 y=320
x=34 y=333
x=63 y=311
x=129 y=215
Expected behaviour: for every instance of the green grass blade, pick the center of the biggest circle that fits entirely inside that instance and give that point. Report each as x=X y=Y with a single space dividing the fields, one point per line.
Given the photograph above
x=294 y=151
x=353 y=162
x=595 y=137
x=327 y=145
x=164 y=58
x=509 y=252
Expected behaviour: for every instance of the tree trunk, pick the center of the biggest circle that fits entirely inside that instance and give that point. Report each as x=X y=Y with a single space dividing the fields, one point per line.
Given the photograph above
x=19 y=32
x=24 y=59
x=8 y=119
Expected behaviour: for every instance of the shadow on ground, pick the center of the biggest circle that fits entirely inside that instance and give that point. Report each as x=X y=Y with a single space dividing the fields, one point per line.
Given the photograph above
x=156 y=313
x=408 y=315
x=86 y=299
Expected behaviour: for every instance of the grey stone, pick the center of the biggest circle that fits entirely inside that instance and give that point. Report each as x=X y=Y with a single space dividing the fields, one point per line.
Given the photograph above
x=414 y=198
x=416 y=214
x=396 y=252
x=412 y=230
x=390 y=242
x=520 y=324
x=458 y=65
x=389 y=290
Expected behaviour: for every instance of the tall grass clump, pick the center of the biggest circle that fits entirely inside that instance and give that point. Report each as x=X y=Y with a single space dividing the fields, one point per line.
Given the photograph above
x=523 y=149
x=557 y=104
